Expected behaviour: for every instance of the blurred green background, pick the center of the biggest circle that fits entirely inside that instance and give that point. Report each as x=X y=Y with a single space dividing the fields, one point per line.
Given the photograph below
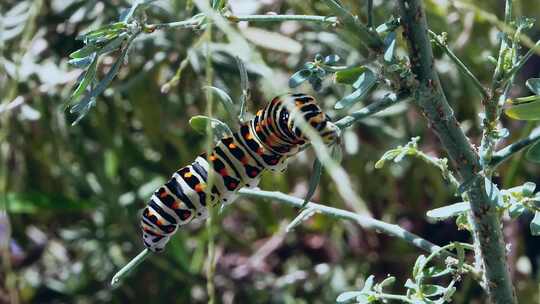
x=74 y=193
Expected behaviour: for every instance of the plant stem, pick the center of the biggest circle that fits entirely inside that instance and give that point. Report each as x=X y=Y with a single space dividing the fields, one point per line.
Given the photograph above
x=364 y=221
x=369 y=36
x=508 y=151
x=330 y=20
x=431 y=99
x=461 y=66
x=124 y=271
x=374 y=107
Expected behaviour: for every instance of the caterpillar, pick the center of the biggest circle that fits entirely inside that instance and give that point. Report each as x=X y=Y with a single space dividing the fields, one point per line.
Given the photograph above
x=262 y=143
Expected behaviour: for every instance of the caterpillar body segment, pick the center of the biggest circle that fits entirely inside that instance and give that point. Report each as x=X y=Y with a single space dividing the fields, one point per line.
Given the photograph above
x=263 y=143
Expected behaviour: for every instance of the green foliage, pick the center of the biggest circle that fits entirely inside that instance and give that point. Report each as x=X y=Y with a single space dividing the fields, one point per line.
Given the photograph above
x=82 y=187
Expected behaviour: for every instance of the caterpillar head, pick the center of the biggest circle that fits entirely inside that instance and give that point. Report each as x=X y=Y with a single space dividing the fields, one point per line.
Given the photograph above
x=306 y=109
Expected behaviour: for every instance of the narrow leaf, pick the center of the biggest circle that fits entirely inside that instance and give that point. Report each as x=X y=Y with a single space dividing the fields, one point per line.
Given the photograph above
x=313 y=181
x=493 y=193
x=113 y=44
x=432 y=290
x=299 y=77
x=524 y=111
x=349 y=76
x=534 y=85
x=226 y=101
x=220 y=130
x=88 y=101
x=88 y=77
x=390 y=42
x=84 y=51
x=244 y=85
x=331 y=59
x=363 y=85
x=535 y=224
x=533 y=153
x=81 y=63
x=449 y=211
x=348 y=296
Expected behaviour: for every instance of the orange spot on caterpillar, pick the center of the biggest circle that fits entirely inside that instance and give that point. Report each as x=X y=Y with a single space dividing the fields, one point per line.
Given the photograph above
x=249 y=136
x=213 y=157
x=259 y=113
x=232 y=146
x=258 y=128
x=199 y=187
x=188 y=174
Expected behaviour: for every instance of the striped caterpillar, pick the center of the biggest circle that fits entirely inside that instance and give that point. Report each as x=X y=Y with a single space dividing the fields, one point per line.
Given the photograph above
x=263 y=143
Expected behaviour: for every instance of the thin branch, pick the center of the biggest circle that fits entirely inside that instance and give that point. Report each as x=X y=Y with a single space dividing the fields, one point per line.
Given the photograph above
x=494 y=20
x=431 y=98
x=371 y=38
x=461 y=66
x=122 y=273
x=364 y=221
x=508 y=151
x=330 y=20
x=534 y=50
x=373 y=108
x=370 y=13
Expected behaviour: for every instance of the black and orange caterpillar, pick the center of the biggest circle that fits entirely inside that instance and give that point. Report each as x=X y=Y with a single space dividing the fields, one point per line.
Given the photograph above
x=263 y=143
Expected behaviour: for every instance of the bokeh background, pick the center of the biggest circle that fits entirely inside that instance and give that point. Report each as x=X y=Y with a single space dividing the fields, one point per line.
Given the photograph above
x=74 y=193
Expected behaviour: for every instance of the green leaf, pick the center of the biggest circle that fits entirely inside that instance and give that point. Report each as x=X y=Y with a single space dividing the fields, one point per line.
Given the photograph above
x=331 y=59
x=34 y=202
x=462 y=222
x=524 y=111
x=109 y=29
x=418 y=266
x=388 y=281
x=363 y=85
x=410 y=284
x=314 y=180
x=88 y=101
x=113 y=44
x=533 y=153
x=368 y=284
x=299 y=77
x=88 y=77
x=534 y=85
x=226 y=101
x=199 y=123
x=432 y=290
x=516 y=210
x=493 y=193
x=535 y=224
x=449 y=211
x=528 y=189
x=349 y=76
x=81 y=63
x=244 y=85
x=390 y=42
x=84 y=51
x=436 y=271
x=348 y=296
